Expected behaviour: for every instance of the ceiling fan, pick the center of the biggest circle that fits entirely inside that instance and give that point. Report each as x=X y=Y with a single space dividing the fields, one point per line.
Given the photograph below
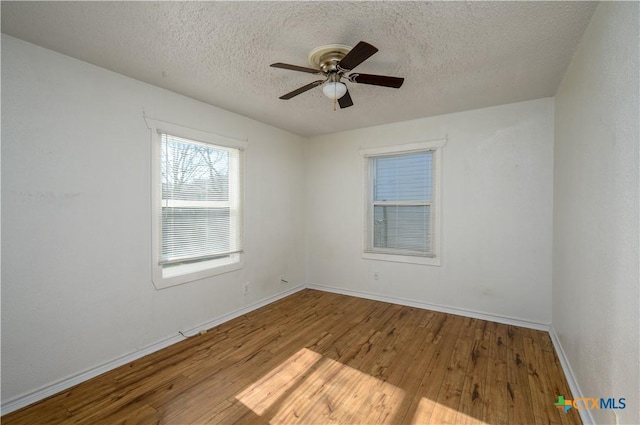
x=333 y=61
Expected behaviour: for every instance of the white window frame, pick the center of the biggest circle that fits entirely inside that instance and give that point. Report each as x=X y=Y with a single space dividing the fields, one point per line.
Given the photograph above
x=176 y=275
x=433 y=258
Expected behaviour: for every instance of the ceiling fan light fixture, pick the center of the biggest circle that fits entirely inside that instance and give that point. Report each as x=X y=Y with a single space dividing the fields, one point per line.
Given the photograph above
x=334 y=90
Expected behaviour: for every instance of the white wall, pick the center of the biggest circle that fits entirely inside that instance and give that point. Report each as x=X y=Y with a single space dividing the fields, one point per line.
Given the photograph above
x=76 y=273
x=496 y=225
x=595 y=243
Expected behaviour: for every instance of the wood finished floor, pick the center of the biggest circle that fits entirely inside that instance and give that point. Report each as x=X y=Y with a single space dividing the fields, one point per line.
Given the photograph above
x=322 y=358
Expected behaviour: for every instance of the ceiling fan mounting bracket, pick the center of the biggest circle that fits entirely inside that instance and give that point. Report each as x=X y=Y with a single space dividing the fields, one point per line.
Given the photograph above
x=327 y=57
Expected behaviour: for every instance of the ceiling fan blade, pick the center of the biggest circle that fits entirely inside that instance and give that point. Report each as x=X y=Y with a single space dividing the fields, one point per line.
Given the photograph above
x=377 y=80
x=345 y=101
x=360 y=53
x=301 y=90
x=296 y=68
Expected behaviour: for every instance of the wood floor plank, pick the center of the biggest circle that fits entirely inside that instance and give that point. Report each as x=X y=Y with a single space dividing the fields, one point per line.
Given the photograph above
x=322 y=358
x=473 y=397
x=432 y=367
x=450 y=394
x=407 y=368
x=542 y=397
x=133 y=413
x=215 y=413
x=558 y=383
x=235 y=414
x=519 y=402
x=497 y=397
x=399 y=362
x=370 y=394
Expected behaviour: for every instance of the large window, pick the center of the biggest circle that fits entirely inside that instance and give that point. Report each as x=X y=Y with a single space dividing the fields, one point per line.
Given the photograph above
x=197 y=194
x=402 y=200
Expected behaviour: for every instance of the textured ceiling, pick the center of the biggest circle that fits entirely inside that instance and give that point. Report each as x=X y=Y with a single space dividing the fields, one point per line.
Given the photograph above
x=454 y=56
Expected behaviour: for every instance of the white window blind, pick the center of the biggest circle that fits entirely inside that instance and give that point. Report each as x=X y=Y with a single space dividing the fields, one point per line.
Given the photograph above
x=201 y=202
x=401 y=214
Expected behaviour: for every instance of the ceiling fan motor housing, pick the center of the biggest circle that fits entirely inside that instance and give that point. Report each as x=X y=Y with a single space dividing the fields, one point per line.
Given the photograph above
x=327 y=57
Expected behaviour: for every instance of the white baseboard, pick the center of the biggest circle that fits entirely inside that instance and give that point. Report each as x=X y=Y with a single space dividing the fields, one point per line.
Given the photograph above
x=31 y=397
x=435 y=307
x=576 y=392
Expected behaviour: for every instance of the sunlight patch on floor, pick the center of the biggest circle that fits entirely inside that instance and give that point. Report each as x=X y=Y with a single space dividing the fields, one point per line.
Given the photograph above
x=429 y=411
x=310 y=388
x=273 y=386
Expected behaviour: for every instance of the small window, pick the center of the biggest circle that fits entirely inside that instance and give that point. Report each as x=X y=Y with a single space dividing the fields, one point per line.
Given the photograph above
x=402 y=218
x=198 y=209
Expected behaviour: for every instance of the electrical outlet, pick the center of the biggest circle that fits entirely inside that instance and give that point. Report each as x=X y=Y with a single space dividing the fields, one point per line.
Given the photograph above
x=283 y=280
x=376 y=276
x=245 y=288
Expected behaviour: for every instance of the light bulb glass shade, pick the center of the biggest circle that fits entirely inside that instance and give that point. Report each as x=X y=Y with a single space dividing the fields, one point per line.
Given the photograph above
x=334 y=90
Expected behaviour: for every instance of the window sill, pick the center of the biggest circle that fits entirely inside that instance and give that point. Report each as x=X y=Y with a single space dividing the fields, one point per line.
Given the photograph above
x=165 y=278
x=424 y=261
